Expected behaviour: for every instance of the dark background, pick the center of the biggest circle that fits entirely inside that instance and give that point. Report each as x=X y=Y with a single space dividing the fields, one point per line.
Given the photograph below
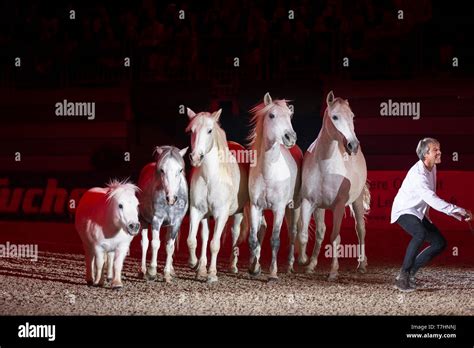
x=190 y=62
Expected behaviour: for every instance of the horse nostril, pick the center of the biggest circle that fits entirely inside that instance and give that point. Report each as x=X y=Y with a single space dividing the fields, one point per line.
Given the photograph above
x=201 y=156
x=349 y=146
x=131 y=227
x=287 y=137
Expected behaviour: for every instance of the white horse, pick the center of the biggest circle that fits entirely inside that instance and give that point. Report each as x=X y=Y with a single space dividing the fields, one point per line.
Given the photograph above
x=334 y=176
x=275 y=180
x=107 y=221
x=163 y=201
x=218 y=188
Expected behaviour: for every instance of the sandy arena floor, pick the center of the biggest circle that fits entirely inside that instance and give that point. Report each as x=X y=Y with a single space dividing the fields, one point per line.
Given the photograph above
x=55 y=285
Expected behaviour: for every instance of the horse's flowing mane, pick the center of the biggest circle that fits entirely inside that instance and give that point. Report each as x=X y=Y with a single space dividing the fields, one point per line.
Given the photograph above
x=168 y=151
x=220 y=139
x=116 y=187
x=256 y=122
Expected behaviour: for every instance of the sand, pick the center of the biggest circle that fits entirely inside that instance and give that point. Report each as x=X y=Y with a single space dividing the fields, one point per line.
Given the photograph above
x=55 y=285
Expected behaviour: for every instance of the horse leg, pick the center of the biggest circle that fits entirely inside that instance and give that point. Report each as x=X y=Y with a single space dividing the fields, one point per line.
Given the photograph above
x=358 y=208
x=303 y=225
x=155 y=246
x=170 y=242
x=262 y=230
x=144 y=244
x=254 y=242
x=174 y=234
x=120 y=254
x=110 y=265
x=202 y=266
x=320 y=231
x=99 y=264
x=291 y=224
x=216 y=245
x=335 y=240
x=235 y=237
x=275 y=241
x=194 y=217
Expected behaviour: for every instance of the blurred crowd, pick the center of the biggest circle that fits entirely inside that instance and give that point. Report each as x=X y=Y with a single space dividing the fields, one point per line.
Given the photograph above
x=191 y=40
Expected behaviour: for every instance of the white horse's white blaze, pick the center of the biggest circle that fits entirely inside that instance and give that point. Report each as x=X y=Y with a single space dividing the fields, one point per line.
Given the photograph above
x=218 y=189
x=163 y=202
x=334 y=176
x=107 y=220
x=275 y=180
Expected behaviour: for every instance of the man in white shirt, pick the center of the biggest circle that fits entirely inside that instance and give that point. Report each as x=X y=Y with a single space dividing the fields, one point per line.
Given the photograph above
x=410 y=210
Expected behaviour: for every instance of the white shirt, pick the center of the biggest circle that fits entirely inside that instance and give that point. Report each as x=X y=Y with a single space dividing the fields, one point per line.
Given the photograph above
x=417 y=194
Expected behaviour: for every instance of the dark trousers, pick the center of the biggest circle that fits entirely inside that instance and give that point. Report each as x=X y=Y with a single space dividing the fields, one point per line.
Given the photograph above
x=421 y=231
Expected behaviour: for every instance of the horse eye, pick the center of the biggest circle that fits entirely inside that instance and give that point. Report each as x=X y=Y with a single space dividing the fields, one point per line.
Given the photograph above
x=162 y=171
x=272 y=115
x=181 y=170
x=120 y=206
x=335 y=118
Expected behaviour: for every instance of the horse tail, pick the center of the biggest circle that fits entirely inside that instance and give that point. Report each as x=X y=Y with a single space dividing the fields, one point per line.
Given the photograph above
x=311 y=228
x=366 y=198
x=245 y=227
x=178 y=238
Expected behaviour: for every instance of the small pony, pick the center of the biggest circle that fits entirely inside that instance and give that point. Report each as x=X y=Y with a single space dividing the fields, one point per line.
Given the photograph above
x=107 y=221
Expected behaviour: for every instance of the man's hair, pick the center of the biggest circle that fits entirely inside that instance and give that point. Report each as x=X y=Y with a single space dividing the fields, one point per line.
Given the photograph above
x=424 y=146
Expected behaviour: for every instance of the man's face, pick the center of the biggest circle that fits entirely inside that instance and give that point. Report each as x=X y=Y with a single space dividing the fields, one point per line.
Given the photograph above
x=434 y=154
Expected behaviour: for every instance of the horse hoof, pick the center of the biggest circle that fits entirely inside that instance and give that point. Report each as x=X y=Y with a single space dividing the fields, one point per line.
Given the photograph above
x=332 y=277
x=309 y=270
x=272 y=278
x=255 y=269
x=234 y=269
x=117 y=287
x=362 y=270
x=303 y=261
x=167 y=278
x=193 y=264
x=150 y=276
x=212 y=279
x=291 y=270
x=90 y=283
x=109 y=279
x=201 y=274
x=255 y=273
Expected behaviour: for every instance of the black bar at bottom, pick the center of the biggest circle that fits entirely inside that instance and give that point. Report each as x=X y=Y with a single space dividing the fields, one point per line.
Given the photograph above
x=291 y=331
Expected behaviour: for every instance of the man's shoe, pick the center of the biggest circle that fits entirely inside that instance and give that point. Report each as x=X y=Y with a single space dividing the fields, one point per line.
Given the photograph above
x=402 y=283
x=412 y=280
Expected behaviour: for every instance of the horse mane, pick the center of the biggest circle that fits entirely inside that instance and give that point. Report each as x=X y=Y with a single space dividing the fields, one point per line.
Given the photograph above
x=168 y=151
x=116 y=187
x=220 y=140
x=256 y=121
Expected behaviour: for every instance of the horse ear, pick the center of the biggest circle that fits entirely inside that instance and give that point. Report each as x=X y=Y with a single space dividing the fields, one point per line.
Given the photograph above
x=217 y=115
x=158 y=151
x=191 y=113
x=330 y=98
x=182 y=152
x=267 y=99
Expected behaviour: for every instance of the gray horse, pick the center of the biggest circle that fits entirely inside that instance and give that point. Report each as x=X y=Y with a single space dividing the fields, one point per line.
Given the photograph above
x=163 y=202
